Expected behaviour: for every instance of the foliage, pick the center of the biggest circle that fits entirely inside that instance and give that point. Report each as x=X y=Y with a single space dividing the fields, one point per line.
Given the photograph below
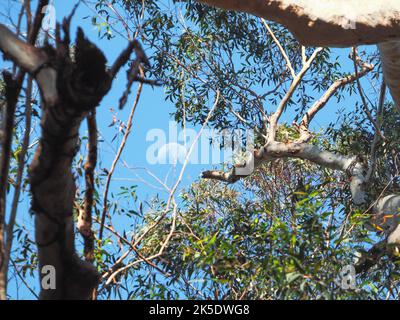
x=272 y=240
x=287 y=231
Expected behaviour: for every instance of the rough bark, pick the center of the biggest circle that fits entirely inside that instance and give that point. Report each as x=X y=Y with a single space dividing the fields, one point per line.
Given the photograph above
x=70 y=89
x=78 y=88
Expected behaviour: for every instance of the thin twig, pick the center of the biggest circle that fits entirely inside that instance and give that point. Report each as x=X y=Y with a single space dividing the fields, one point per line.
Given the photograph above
x=85 y=218
x=11 y=93
x=283 y=52
x=357 y=60
x=20 y=172
x=321 y=102
x=23 y=280
x=113 y=165
x=377 y=137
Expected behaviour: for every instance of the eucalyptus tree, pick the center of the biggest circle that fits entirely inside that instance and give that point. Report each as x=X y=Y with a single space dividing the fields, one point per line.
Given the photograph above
x=282 y=231
x=267 y=74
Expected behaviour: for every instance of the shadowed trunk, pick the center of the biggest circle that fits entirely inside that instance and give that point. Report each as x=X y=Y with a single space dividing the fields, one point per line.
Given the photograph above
x=80 y=85
x=70 y=87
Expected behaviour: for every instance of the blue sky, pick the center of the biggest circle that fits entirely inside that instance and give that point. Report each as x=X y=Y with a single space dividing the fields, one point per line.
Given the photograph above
x=152 y=112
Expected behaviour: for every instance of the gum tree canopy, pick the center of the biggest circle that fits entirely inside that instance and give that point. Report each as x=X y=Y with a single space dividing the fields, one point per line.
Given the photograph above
x=226 y=57
x=331 y=23
x=336 y=23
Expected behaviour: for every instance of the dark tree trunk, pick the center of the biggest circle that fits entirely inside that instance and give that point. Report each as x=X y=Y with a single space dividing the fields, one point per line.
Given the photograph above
x=71 y=88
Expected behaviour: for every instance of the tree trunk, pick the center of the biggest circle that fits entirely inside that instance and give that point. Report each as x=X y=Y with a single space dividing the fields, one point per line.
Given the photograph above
x=70 y=88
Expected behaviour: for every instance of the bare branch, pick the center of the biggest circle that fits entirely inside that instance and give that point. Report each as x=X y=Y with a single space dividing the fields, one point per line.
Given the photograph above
x=20 y=172
x=116 y=159
x=123 y=58
x=321 y=102
x=336 y=23
x=84 y=223
x=282 y=105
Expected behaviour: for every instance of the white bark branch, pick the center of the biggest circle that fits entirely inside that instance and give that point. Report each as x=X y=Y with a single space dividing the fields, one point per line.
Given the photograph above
x=275 y=150
x=327 y=23
x=23 y=54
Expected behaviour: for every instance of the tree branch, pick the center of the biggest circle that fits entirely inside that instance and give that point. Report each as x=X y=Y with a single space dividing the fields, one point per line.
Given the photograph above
x=336 y=23
x=283 y=52
x=282 y=105
x=321 y=102
x=84 y=224
x=326 y=23
x=11 y=94
x=20 y=174
x=275 y=150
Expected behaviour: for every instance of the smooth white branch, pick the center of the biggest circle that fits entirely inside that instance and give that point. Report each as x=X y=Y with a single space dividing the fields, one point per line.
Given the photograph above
x=274 y=150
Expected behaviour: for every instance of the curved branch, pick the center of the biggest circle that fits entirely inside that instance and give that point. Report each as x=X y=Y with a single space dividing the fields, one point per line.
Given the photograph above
x=321 y=102
x=275 y=150
x=328 y=23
